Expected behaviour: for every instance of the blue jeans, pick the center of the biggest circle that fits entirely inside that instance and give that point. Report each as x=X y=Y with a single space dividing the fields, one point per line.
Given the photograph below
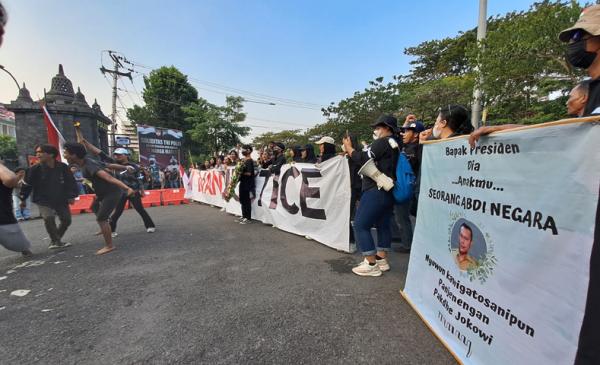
x=402 y=215
x=375 y=209
x=24 y=213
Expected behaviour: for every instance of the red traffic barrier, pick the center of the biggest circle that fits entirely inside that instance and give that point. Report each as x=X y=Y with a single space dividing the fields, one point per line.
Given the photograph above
x=82 y=204
x=173 y=196
x=151 y=198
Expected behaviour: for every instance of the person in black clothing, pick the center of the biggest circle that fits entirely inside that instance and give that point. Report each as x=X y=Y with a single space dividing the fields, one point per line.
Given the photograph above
x=133 y=179
x=377 y=200
x=247 y=185
x=54 y=188
x=326 y=149
x=107 y=188
x=278 y=158
x=11 y=235
x=307 y=154
x=355 y=183
x=402 y=212
x=297 y=154
x=583 y=48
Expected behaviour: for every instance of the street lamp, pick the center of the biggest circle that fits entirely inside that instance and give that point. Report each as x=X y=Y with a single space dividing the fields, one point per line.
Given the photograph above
x=11 y=75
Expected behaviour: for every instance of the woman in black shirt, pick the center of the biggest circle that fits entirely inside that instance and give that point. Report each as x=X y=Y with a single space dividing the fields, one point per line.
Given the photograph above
x=246 y=184
x=376 y=204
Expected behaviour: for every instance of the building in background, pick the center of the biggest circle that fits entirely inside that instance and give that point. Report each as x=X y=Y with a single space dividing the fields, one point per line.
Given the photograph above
x=65 y=107
x=7 y=122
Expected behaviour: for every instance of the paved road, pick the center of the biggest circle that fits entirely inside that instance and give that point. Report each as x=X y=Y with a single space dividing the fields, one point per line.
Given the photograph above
x=203 y=290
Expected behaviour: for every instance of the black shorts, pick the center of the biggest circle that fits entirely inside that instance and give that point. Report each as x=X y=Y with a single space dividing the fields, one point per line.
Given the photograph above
x=104 y=206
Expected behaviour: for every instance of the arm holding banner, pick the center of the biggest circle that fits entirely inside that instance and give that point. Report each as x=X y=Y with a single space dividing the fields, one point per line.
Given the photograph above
x=484 y=131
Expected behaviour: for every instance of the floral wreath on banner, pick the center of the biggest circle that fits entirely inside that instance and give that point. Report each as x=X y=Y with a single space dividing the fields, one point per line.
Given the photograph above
x=235 y=178
x=486 y=264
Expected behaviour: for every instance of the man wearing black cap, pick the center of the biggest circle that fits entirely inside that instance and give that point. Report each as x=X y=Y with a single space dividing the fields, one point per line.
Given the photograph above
x=583 y=48
x=377 y=201
x=402 y=212
x=246 y=184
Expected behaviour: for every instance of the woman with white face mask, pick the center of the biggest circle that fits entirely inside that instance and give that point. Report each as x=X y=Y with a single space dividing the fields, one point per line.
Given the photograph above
x=452 y=121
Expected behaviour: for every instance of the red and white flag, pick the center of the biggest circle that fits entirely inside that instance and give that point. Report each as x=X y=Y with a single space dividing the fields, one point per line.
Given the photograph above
x=55 y=138
x=185 y=179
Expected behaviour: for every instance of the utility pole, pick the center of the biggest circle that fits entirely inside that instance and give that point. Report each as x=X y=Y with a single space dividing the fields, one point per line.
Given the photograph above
x=481 y=31
x=115 y=72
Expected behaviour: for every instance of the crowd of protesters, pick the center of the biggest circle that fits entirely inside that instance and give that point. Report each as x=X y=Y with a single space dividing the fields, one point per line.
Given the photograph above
x=53 y=185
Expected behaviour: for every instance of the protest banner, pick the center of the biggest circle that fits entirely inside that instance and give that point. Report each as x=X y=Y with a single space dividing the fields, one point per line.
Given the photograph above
x=499 y=267
x=304 y=199
x=159 y=146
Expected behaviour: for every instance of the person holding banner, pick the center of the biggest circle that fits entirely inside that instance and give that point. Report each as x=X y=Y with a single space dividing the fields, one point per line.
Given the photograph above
x=246 y=185
x=278 y=158
x=583 y=40
x=377 y=201
x=452 y=121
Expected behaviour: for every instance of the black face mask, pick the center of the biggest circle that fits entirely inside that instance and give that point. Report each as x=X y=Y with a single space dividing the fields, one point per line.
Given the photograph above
x=578 y=56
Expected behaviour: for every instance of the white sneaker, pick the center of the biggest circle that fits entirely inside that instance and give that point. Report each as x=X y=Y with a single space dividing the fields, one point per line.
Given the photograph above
x=222 y=209
x=365 y=269
x=151 y=230
x=245 y=221
x=114 y=234
x=383 y=264
x=238 y=219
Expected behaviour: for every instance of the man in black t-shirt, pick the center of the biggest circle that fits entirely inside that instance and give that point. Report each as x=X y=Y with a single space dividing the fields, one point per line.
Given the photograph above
x=131 y=175
x=108 y=189
x=54 y=188
x=246 y=184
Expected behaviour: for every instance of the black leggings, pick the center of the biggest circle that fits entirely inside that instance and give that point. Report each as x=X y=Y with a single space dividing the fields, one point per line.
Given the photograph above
x=136 y=201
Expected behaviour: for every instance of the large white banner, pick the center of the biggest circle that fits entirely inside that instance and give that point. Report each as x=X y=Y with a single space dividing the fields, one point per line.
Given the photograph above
x=499 y=266
x=305 y=199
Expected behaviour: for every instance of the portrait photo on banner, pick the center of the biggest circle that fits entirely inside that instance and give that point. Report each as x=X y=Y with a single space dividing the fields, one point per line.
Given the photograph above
x=467 y=245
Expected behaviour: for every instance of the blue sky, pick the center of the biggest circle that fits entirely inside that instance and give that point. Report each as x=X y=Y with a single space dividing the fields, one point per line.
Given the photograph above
x=309 y=51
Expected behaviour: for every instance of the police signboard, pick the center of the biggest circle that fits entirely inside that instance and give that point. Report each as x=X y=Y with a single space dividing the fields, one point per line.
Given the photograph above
x=122 y=140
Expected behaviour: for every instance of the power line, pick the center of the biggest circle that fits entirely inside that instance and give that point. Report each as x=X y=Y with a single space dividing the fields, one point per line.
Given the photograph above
x=241 y=92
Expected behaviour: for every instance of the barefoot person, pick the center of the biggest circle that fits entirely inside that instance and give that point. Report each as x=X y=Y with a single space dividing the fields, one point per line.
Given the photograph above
x=108 y=189
x=131 y=177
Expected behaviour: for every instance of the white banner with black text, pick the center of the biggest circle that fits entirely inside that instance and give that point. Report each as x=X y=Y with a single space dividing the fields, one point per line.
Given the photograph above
x=311 y=200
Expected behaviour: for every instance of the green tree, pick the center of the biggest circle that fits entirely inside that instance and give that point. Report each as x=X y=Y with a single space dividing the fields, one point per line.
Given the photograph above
x=522 y=61
x=8 y=147
x=215 y=128
x=141 y=115
x=291 y=137
x=166 y=91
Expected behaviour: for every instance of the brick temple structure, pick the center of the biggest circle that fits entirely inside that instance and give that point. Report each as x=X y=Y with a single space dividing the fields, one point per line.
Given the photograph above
x=65 y=107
